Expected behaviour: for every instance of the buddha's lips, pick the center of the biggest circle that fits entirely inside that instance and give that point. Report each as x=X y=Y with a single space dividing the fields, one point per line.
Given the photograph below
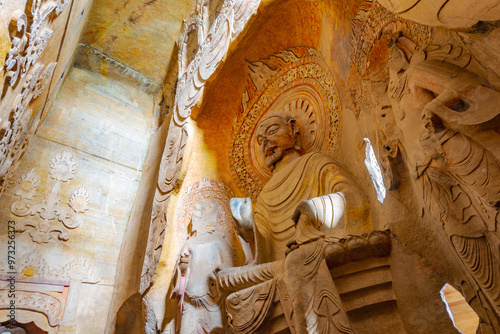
x=270 y=151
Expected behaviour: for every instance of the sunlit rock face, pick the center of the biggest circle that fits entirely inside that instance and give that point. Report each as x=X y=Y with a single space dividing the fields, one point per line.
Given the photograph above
x=139 y=34
x=118 y=120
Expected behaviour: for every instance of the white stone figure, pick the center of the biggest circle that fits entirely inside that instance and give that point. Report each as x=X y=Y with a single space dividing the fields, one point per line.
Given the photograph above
x=200 y=308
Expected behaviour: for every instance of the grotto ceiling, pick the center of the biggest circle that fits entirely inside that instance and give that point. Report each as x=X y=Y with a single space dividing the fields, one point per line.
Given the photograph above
x=139 y=34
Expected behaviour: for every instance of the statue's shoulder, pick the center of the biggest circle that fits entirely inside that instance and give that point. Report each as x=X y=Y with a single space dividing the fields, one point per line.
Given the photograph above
x=318 y=157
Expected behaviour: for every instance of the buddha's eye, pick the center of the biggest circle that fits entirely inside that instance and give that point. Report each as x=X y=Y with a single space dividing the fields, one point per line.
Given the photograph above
x=272 y=130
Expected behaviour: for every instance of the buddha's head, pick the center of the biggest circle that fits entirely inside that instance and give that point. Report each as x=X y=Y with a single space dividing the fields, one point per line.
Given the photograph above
x=277 y=138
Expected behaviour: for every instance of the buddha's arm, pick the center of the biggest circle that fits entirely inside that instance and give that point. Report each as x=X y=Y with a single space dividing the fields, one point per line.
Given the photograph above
x=324 y=210
x=238 y=278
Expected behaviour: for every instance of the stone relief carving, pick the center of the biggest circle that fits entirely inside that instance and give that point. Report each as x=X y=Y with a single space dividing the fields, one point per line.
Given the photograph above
x=301 y=281
x=34 y=264
x=25 y=79
x=200 y=306
x=170 y=168
x=367 y=27
x=226 y=27
x=436 y=119
x=50 y=210
x=447 y=14
x=49 y=305
x=301 y=86
x=278 y=137
x=194 y=31
x=289 y=233
x=448 y=154
x=206 y=189
x=35 y=271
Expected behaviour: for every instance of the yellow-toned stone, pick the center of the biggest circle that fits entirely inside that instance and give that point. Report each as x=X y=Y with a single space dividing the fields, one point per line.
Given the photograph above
x=137 y=33
x=4 y=49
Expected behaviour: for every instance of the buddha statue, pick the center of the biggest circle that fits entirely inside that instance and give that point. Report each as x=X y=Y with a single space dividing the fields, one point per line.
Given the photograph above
x=302 y=203
x=296 y=177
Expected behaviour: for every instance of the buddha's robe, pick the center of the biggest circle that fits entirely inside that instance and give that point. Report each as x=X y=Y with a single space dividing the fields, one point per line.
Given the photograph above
x=311 y=175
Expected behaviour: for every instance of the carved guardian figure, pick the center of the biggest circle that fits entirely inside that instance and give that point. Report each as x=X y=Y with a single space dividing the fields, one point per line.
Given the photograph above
x=450 y=118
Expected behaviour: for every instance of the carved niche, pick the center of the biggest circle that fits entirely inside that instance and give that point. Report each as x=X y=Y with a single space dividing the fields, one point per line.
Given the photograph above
x=42 y=215
x=48 y=289
x=23 y=79
x=193 y=73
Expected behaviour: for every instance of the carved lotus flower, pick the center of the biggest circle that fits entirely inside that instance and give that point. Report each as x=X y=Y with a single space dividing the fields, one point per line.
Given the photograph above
x=80 y=200
x=28 y=185
x=63 y=166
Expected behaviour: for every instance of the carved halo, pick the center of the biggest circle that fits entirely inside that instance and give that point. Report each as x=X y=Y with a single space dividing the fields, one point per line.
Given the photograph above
x=205 y=189
x=302 y=86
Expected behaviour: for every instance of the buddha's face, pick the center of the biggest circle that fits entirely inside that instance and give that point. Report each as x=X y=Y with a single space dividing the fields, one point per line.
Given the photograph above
x=274 y=137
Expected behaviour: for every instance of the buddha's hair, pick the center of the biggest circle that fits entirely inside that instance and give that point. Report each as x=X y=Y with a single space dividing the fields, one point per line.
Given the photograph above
x=284 y=116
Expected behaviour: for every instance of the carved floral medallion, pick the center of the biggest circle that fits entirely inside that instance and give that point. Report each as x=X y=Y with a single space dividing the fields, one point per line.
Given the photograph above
x=49 y=212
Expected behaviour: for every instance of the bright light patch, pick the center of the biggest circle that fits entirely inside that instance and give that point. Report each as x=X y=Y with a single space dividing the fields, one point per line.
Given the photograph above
x=461 y=314
x=374 y=170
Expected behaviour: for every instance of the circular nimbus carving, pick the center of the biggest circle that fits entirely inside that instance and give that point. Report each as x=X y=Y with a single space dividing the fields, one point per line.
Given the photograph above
x=301 y=87
x=203 y=191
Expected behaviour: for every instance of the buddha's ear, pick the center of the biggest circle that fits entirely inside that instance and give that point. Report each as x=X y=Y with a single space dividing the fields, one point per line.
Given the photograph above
x=294 y=126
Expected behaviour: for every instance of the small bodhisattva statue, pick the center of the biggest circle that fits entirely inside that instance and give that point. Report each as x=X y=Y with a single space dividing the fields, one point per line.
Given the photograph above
x=200 y=308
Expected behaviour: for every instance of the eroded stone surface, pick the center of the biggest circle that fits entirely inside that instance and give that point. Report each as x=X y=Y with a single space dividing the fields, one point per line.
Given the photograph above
x=418 y=80
x=140 y=34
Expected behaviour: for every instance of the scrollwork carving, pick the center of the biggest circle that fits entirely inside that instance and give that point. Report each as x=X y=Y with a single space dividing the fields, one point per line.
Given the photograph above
x=226 y=27
x=50 y=305
x=170 y=167
x=77 y=269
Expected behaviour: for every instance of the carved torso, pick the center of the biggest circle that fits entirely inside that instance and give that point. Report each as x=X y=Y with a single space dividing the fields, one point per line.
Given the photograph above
x=311 y=175
x=205 y=254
